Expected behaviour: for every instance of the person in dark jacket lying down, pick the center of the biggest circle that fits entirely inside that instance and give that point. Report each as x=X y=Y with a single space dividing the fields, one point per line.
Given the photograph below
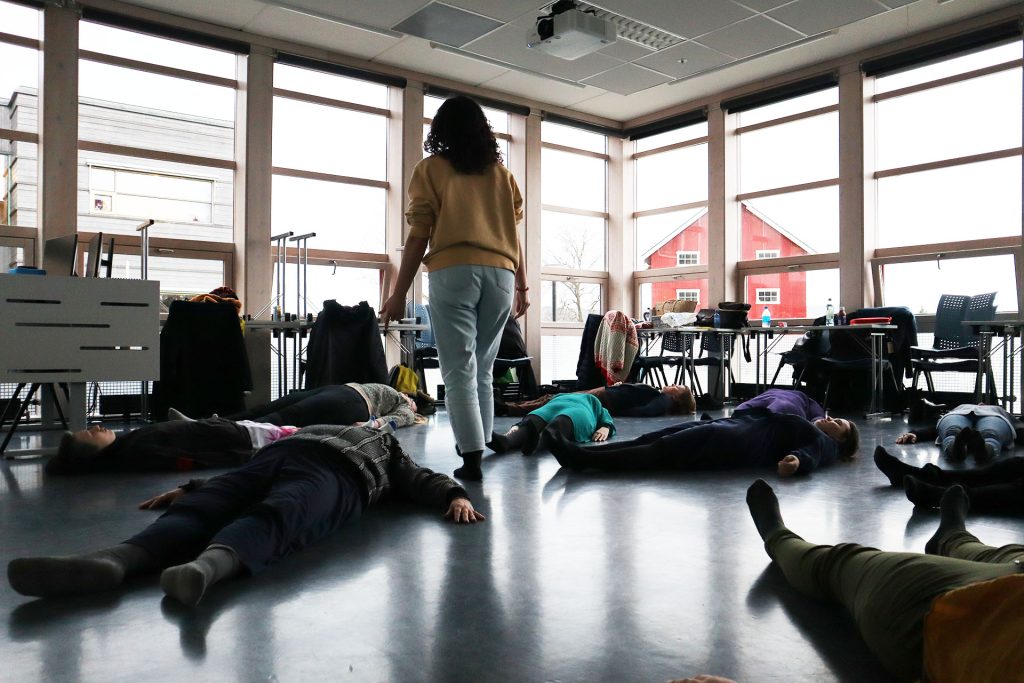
x=620 y=400
x=183 y=444
x=754 y=437
x=293 y=492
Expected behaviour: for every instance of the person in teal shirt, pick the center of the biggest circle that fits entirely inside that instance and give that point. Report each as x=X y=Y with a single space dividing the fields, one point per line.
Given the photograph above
x=576 y=417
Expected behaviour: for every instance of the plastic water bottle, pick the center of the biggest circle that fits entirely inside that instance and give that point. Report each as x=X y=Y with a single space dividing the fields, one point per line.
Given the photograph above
x=717 y=321
x=766 y=318
x=830 y=313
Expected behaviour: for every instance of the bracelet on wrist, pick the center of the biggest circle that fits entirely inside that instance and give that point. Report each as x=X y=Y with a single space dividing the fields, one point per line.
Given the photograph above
x=522 y=289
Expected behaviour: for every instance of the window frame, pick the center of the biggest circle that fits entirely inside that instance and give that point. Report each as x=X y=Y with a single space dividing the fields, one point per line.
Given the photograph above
x=759 y=292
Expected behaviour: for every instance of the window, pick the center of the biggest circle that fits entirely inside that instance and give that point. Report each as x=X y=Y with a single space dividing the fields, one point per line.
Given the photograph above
x=944 y=174
x=671 y=189
x=19 y=83
x=687 y=258
x=800 y=293
x=767 y=296
x=569 y=301
x=161 y=196
x=688 y=295
x=789 y=192
x=330 y=143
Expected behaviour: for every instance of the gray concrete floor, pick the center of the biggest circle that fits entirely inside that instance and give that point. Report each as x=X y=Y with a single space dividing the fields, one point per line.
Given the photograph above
x=574 y=577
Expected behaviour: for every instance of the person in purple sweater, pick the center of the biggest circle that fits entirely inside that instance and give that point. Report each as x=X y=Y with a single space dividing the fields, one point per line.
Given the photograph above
x=781 y=428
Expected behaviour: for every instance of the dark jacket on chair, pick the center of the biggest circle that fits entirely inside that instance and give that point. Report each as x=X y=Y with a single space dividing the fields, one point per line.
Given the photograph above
x=204 y=368
x=587 y=374
x=345 y=346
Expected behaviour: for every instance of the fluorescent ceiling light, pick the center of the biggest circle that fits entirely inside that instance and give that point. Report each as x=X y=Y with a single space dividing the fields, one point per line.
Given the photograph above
x=335 y=20
x=505 y=65
x=774 y=51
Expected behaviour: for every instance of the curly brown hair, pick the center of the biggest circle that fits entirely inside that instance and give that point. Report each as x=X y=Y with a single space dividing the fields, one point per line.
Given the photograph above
x=461 y=134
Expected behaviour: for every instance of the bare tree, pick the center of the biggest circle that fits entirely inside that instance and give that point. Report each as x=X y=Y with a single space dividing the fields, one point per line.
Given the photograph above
x=572 y=254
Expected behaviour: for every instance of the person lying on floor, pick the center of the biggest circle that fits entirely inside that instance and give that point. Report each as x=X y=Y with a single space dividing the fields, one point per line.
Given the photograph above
x=981 y=431
x=753 y=437
x=954 y=614
x=578 y=417
x=184 y=444
x=784 y=402
x=997 y=487
x=291 y=493
x=621 y=400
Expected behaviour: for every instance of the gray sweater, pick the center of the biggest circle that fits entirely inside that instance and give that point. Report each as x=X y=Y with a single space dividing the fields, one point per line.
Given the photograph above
x=384 y=401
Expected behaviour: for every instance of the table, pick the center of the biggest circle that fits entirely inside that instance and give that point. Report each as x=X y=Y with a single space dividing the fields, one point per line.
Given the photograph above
x=297 y=331
x=73 y=330
x=878 y=334
x=1008 y=330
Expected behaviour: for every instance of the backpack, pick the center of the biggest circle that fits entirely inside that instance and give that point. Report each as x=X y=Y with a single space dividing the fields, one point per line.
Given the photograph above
x=403 y=379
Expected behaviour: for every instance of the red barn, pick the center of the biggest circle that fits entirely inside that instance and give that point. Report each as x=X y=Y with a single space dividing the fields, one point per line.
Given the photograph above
x=785 y=294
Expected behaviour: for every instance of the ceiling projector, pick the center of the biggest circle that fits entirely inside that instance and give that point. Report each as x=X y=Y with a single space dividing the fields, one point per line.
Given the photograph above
x=569 y=32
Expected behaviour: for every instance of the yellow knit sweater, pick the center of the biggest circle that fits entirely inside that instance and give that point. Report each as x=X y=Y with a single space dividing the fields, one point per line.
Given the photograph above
x=468 y=219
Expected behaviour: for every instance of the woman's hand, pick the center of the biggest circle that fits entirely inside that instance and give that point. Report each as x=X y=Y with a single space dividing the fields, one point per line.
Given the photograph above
x=789 y=465
x=601 y=434
x=906 y=437
x=461 y=511
x=520 y=303
x=163 y=500
x=392 y=310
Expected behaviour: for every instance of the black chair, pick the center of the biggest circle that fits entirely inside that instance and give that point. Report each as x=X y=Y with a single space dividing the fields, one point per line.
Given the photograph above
x=512 y=355
x=710 y=356
x=679 y=343
x=810 y=347
x=849 y=356
x=955 y=346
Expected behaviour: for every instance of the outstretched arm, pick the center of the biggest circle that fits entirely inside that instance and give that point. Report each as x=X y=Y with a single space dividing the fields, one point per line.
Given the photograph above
x=461 y=511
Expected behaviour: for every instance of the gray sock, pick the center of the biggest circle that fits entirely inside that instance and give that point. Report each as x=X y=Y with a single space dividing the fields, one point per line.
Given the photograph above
x=78 y=574
x=187 y=583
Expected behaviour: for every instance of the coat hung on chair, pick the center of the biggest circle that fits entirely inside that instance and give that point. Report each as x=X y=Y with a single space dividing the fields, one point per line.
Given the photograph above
x=345 y=346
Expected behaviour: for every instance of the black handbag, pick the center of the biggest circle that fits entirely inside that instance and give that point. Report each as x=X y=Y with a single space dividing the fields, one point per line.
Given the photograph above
x=732 y=315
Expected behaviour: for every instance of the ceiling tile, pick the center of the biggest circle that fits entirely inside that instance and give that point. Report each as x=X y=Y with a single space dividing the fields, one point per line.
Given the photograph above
x=447 y=25
x=684 y=59
x=234 y=14
x=625 y=50
x=815 y=16
x=764 y=5
x=525 y=85
x=627 y=79
x=685 y=18
x=380 y=14
x=300 y=28
x=444 y=64
x=505 y=10
x=750 y=37
x=508 y=44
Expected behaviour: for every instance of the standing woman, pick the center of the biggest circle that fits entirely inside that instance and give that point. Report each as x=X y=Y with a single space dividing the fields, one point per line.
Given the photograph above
x=464 y=205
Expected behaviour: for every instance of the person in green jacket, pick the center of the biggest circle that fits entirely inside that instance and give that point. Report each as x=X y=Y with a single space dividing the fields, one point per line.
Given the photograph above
x=576 y=417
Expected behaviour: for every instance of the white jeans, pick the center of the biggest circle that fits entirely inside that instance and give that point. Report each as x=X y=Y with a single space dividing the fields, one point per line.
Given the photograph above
x=468 y=309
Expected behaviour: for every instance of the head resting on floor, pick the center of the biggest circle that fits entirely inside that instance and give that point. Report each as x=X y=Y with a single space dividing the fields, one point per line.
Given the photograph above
x=683 y=402
x=85 y=443
x=844 y=432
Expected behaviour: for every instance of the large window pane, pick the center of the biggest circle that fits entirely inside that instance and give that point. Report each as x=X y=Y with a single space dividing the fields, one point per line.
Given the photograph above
x=653 y=293
x=791 y=224
x=313 y=137
x=671 y=239
x=697 y=130
x=951 y=204
x=572 y=180
x=151 y=111
x=679 y=176
x=179 y=277
x=794 y=105
x=344 y=217
x=799 y=294
x=969 y=117
x=348 y=286
x=567 y=301
x=19 y=20
x=314 y=82
x=19 y=195
x=147 y=48
x=187 y=201
x=572 y=241
x=19 y=71
x=570 y=136
x=559 y=354
x=919 y=285
x=789 y=154
x=949 y=67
